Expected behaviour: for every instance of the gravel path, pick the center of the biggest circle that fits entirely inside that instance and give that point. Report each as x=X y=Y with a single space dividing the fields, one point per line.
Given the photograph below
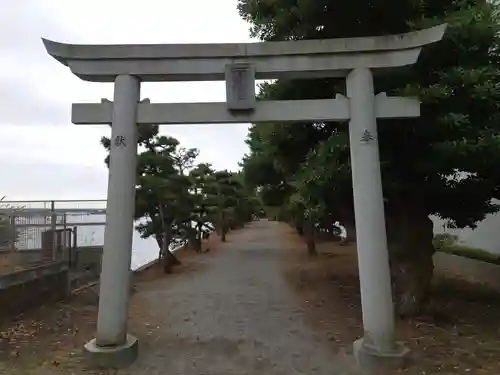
x=235 y=316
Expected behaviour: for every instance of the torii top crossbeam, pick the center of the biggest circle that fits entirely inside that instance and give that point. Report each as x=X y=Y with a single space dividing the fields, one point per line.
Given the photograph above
x=207 y=62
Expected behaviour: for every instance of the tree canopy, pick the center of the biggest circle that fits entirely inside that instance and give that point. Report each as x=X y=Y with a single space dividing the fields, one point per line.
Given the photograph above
x=443 y=163
x=179 y=200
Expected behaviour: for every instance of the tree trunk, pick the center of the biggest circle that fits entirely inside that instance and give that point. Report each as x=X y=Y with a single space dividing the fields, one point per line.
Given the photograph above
x=299 y=228
x=194 y=243
x=309 y=238
x=169 y=259
x=223 y=226
x=159 y=241
x=223 y=234
x=166 y=256
x=195 y=239
x=410 y=234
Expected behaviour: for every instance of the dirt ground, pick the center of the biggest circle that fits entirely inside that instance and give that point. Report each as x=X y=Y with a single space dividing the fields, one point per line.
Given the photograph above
x=49 y=340
x=458 y=334
x=226 y=312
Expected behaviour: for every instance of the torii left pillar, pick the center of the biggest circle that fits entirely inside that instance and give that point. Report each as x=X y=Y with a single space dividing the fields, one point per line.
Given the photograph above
x=113 y=346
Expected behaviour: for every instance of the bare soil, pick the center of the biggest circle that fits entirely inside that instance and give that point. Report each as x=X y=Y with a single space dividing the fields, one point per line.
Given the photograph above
x=257 y=304
x=458 y=334
x=226 y=312
x=49 y=340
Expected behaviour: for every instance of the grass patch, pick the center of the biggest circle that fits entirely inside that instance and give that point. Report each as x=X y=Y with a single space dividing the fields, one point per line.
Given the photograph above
x=471 y=253
x=447 y=243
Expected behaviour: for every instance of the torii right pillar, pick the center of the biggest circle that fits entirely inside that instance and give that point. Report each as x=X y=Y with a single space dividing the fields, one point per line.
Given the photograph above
x=377 y=349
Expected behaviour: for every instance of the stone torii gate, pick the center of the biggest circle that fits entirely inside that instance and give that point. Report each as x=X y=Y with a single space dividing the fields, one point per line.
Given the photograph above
x=240 y=65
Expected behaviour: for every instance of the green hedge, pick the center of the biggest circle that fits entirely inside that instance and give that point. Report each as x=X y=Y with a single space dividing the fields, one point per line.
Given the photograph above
x=447 y=243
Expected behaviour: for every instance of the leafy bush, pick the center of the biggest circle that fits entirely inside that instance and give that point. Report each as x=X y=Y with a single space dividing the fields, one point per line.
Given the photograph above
x=443 y=240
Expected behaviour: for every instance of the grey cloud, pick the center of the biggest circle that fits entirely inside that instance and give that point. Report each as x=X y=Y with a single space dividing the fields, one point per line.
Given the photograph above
x=220 y=144
x=46 y=181
x=22 y=25
x=22 y=105
x=25 y=67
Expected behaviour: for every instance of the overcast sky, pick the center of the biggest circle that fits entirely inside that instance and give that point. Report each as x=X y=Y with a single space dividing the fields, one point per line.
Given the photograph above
x=44 y=156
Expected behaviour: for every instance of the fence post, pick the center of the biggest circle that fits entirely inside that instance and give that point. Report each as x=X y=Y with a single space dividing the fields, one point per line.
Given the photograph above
x=13 y=231
x=75 y=237
x=64 y=240
x=12 y=257
x=75 y=247
x=53 y=226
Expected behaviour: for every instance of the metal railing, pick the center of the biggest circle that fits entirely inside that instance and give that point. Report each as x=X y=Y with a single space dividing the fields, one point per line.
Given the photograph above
x=37 y=232
x=63 y=204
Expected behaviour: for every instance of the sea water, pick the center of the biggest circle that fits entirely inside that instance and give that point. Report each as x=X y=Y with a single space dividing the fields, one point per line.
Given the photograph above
x=144 y=250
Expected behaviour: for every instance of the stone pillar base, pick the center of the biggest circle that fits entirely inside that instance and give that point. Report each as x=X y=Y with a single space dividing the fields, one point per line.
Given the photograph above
x=375 y=362
x=114 y=356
